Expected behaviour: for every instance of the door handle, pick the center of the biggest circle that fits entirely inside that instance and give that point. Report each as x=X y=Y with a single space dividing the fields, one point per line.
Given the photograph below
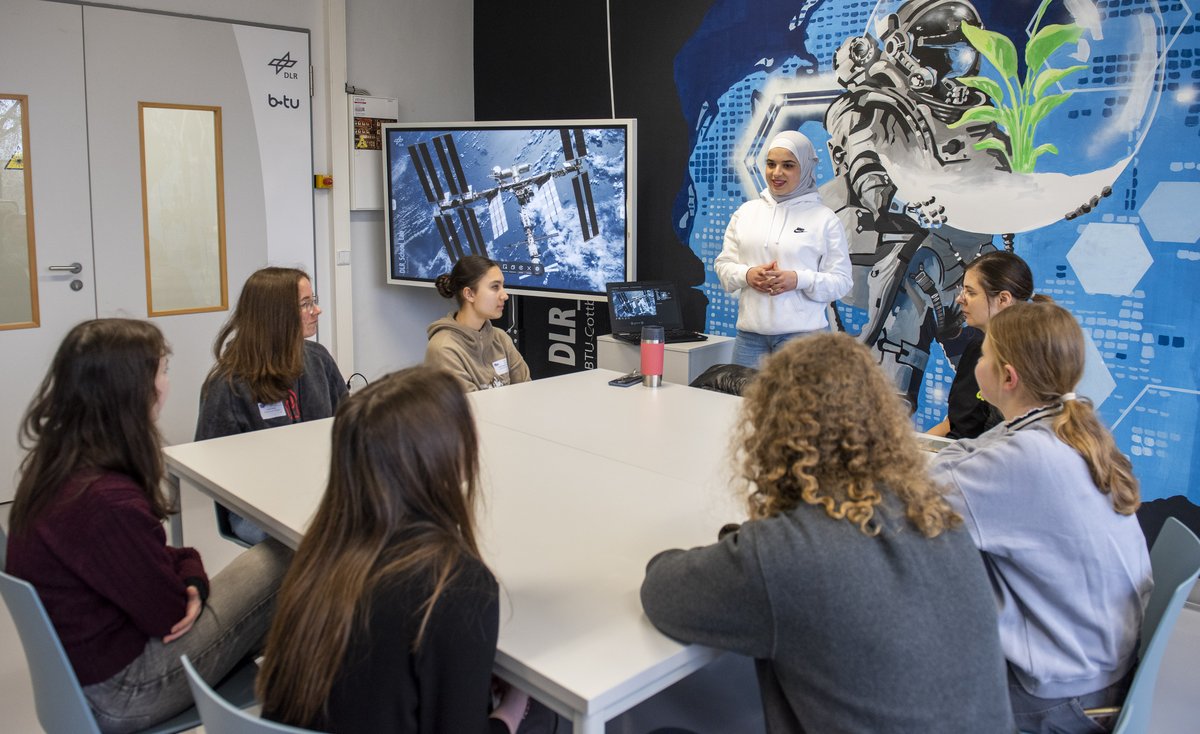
x=72 y=268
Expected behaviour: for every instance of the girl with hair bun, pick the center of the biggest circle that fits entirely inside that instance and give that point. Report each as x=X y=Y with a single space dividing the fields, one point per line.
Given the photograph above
x=1050 y=502
x=464 y=342
x=991 y=283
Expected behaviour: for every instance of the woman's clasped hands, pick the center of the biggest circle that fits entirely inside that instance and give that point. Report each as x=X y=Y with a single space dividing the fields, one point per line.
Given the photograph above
x=770 y=279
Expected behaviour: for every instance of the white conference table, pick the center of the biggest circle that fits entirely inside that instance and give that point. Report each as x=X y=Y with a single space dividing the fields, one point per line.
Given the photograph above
x=582 y=483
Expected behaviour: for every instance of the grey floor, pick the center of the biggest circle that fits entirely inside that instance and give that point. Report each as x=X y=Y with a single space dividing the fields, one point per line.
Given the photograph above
x=721 y=698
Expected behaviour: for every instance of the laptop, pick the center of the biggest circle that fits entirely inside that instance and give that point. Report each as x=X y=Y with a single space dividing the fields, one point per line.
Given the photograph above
x=647 y=303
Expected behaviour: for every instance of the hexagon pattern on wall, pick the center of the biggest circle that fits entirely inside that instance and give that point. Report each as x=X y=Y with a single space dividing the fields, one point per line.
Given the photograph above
x=1110 y=258
x=1167 y=212
x=1097 y=382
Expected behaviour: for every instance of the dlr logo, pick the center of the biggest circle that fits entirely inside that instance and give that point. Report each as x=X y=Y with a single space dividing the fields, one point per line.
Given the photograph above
x=562 y=346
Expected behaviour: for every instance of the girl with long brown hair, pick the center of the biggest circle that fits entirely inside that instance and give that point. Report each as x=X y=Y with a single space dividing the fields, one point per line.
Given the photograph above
x=86 y=531
x=1050 y=502
x=851 y=584
x=267 y=372
x=388 y=619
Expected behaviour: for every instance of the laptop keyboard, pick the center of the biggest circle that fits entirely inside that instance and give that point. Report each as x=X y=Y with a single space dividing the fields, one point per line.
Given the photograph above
x=670 y=336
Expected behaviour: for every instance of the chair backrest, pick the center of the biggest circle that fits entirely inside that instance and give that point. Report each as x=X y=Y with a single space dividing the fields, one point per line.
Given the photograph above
x=219 y=717
x=3 y=550
x=1175 y=560
x=61 y=707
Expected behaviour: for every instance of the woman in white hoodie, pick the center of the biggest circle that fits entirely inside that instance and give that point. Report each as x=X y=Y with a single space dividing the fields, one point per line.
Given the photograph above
x=785 y=252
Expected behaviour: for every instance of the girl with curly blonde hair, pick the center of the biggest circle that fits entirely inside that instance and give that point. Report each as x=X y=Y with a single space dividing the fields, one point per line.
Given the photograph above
x=807 y=440
x=851 y=584
x=1050 y=501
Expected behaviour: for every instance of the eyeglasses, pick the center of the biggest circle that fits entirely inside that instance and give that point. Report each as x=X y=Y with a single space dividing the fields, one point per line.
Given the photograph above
x=308 y=305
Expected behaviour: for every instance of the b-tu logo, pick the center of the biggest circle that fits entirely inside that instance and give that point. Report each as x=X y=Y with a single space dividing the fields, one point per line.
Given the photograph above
x=284 y=101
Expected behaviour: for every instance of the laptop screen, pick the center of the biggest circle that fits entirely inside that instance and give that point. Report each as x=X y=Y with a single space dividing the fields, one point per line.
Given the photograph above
x=634 y=305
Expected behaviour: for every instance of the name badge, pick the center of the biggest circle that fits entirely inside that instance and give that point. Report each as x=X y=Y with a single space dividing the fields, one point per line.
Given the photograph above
x=271 y=410
x=501 y=366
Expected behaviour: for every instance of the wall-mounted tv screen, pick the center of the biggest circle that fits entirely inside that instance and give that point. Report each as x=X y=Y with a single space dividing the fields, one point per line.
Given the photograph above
x=551 y=201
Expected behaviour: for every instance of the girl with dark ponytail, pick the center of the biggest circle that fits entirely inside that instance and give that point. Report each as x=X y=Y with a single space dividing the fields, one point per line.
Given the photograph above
x=991 y=283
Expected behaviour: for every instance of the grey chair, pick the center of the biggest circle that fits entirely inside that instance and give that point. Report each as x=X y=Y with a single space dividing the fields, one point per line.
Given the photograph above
x=727 y=378
x=59 y=700
x=1175 y=561
x=221 y=718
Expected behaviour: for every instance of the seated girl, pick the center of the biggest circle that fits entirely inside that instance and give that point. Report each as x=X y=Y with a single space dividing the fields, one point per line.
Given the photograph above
x=851 y=584
x=267 y=373
x=991 y=283
x=86 y=531
x=388 y=619
x=464 y=342
x=1050 y=502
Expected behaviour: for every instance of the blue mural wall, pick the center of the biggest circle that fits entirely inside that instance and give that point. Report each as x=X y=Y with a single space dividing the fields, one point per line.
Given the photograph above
x=1067 y=130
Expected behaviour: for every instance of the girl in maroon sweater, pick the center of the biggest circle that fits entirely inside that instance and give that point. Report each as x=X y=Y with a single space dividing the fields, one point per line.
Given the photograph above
x=86 y=530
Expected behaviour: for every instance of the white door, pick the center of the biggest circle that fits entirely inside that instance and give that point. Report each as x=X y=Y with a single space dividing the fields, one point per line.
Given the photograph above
x=259 y=79
x=41 y=58
x=137 y=57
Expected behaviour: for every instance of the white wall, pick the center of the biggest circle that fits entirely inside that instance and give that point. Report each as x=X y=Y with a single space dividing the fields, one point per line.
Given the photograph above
x=422 y=53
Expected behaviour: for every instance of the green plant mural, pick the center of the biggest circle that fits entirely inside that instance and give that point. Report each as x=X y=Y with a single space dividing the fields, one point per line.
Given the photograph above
x=1027 y=101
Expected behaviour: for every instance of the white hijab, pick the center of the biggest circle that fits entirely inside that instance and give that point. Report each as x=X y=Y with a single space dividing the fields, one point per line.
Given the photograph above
x=802 y=148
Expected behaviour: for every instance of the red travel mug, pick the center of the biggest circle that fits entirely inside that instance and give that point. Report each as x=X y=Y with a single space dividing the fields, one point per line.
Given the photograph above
x=652 y=355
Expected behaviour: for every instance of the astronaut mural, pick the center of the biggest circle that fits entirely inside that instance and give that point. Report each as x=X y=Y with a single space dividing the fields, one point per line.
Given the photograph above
x=1064 y=130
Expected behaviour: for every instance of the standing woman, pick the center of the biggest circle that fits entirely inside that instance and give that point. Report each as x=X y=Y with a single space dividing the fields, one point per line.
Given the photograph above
x=1050 y=502
x=388 y=619
x=785 y=252
x=267 y=373
x=86 y=531
x=991 y=283
x=851 y=585
x=464 y=342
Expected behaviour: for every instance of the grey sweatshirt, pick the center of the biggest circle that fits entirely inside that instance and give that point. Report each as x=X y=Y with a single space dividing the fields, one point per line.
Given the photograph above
x=228 y=408
x=893 y=633
x=1071 y=576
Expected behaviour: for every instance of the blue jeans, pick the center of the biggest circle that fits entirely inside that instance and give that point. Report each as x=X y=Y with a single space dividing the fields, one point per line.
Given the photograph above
x=1062 y=715
x=750 y=349
x=233 y=624
x=246 y=530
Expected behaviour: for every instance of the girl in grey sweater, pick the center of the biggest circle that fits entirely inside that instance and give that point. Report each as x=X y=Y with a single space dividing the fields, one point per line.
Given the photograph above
x=862 y=602
x=267 y=373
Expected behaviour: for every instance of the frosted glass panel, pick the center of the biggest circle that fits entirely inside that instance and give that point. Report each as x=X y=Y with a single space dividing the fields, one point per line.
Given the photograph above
x=183 y=205
x=18 y=287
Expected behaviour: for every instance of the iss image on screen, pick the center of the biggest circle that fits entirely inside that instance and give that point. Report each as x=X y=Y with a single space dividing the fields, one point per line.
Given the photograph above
x=551 y=202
